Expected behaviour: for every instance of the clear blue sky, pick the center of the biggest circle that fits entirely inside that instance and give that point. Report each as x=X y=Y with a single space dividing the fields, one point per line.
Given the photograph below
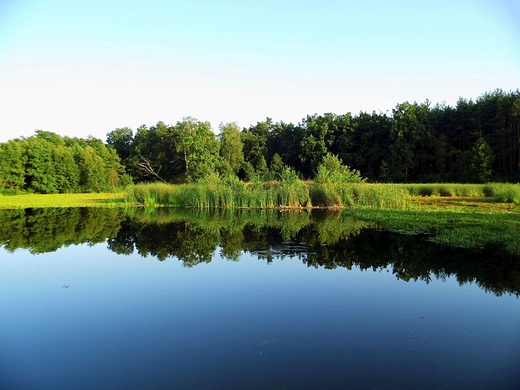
x=87 y=67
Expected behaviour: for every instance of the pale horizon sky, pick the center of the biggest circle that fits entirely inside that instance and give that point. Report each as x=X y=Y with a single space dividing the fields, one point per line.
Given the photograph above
x=81 y=68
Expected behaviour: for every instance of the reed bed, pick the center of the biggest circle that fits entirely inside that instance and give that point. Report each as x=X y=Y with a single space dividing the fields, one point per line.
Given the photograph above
x=290 y=192
x=488 y=190
x=214 y=192
x=381 y=196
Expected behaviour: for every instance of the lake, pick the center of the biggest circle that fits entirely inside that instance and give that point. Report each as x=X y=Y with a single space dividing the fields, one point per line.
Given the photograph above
x=108 y=299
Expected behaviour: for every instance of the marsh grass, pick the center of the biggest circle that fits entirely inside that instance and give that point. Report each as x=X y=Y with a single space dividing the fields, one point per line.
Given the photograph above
x=457 y=189
x=230 y=192
x=290 y=192
x=508 y=194
x=337 y=195
x=468 y=224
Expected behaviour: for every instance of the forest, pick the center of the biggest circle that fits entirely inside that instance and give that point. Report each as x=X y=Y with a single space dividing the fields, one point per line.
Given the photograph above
x=48 y=163
x=476 y=141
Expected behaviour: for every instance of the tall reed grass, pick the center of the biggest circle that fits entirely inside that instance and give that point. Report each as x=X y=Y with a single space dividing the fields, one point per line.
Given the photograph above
x=290 y=192
x=488 y=190
x=228 y=192
x=382 y=196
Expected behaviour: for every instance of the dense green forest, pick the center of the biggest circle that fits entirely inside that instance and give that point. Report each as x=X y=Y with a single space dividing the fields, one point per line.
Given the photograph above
x=47 y=163
x=475 y=141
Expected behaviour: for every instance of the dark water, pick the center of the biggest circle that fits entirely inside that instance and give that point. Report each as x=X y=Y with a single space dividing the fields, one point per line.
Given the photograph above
x=94 y=299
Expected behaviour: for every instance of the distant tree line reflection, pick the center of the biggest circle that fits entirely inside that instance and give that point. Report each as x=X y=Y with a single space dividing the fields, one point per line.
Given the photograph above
x=319 y=239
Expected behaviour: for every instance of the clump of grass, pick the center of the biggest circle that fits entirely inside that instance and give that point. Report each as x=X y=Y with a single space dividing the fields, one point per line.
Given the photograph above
x=291 y=191
x=333 y=184
x=152 y=194
x=508 y=194
x=380 y=196
x=228 y=192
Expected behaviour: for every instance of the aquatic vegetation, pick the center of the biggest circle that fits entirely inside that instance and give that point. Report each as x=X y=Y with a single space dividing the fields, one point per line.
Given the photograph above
x=227 y=192
x=468 y=228
x=325 y=192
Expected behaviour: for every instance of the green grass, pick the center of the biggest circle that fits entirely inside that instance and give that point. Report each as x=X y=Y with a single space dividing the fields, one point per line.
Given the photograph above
x=229 y=193
x=61 y=200
x=459 y=190
x=221 y=193
x=293 y=193
x=455 y=222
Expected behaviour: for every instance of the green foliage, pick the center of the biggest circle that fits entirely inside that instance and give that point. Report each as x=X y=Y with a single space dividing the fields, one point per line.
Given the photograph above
x=474 y=141
x=196 y=145
x=255 y=148
x=457 y=189
x=213 y=191
x=231 y=146
x=47 y=163
x=40 y=170
x=480 y=162
x=292 y=192
x=331 y=186
x=453 y=227
x=12 y=166
x=277 y=166
x=121 y=140
x=331 y=170
x=261 y=169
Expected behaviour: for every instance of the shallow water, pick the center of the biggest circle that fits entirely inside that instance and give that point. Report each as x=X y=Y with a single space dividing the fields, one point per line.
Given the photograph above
x=286 y=313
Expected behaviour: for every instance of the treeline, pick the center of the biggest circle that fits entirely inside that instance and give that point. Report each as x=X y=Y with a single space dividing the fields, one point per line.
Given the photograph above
x=47 y=163
x=475 y=141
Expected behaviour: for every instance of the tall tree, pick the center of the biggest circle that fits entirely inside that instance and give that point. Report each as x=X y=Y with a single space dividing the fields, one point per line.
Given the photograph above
x=121 y=139
x=231 y=146
x=411 y=150
x=255 y=141
x=12 y=165
x=197 y=147
x=317 y=140
x=480 y=162
x=39 y=166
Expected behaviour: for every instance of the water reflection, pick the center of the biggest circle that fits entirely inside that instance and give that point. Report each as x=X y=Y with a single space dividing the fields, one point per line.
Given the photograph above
x=266 y=312
x=318 y=239
x=48 y=229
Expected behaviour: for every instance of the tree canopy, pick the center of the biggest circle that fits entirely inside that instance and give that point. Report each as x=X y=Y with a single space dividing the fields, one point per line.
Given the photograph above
x=48 y=163
x=473 y=141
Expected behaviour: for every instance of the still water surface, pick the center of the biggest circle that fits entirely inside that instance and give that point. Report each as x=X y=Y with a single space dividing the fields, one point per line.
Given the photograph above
x=279 y=315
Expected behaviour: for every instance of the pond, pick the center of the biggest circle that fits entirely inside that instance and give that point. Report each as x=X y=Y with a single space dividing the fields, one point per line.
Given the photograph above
x=102 y=298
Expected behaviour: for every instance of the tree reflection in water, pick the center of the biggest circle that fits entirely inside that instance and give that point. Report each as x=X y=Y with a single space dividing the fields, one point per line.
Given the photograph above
x=318 y=239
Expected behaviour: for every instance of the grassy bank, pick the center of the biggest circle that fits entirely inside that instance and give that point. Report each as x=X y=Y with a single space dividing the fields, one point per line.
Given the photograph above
x=61 y=200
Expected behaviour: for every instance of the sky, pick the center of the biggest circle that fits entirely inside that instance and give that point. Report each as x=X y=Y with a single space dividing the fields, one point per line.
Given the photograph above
x=80 y=68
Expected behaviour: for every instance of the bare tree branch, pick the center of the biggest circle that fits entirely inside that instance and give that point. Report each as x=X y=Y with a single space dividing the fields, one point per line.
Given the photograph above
x=148 y=170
